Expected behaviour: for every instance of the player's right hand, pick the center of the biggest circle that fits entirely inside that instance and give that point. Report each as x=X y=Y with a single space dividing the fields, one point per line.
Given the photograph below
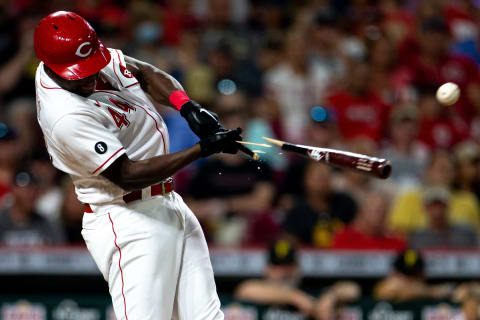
x=219 y=142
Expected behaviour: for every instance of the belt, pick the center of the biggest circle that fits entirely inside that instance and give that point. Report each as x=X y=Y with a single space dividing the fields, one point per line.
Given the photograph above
x=155 y=190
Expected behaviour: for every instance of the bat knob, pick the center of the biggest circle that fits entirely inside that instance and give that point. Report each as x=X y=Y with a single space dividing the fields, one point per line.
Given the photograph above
x=384 y=169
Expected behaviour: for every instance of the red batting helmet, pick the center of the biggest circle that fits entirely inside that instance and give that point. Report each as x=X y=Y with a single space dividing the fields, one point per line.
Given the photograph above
x=69 y=46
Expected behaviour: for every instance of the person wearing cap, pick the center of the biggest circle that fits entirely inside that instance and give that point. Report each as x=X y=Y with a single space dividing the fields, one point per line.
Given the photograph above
x=96 y=108
x=439 y=232
x=281 y=285
x=20 y=224
x=406 y=281
x=408 y=212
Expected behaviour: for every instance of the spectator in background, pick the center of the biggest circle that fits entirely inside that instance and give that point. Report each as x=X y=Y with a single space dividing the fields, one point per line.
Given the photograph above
x=232 y=195
x=369 y=230
x=403 y=151
x=440 y=126
x=20 y=225
x=21 y=115
x=16 y=51
x=50 y=195
x=468 y=294
x=467 y=167
x=461 y=19
x=281 y=285
x=360 y=111
x=321 y=211
x=11 y=152
x=71 y=213
x=439 y=231
x=325 y=44
x=407 y=281
x=398 y=22
x=176 y=20
x=262 y=123
x=408 y=212
x=385 y=75
x=433 y=65
x=296 y=85
x=320 y=132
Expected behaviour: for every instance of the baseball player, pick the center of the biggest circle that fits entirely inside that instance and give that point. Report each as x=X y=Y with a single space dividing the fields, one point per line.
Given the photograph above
x=101 y=128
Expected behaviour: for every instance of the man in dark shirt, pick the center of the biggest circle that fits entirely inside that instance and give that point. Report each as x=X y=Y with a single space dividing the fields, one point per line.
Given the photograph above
x=20 y=224
x=322 y=211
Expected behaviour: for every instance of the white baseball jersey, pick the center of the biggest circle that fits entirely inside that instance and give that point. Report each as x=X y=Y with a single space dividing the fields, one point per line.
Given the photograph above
x=84 y=135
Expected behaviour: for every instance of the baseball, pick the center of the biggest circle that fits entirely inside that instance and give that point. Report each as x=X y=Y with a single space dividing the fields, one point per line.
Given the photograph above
x=448 y=93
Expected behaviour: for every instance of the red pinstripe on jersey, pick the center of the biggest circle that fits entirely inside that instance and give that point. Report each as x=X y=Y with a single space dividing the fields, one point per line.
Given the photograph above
x=119 y=266
x=113 y=155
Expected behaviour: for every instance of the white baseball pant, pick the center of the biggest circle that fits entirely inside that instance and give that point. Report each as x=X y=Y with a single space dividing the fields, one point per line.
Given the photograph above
x=155 y=259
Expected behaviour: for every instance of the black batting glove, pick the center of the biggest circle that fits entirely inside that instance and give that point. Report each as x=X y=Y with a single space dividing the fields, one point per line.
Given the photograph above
x=219 y=142
x=200 y=120
x=205 y=123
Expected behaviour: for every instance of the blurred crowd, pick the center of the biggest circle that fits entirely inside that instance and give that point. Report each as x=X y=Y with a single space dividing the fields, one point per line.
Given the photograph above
x=356 y=75
x=282 y=285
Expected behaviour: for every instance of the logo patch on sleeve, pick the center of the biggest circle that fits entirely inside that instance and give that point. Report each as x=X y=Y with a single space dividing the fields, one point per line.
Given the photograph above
x=100 y=147
x=126 y=73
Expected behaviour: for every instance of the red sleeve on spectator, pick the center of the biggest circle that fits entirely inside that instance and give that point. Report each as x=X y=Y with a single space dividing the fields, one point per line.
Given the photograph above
x=178 y=98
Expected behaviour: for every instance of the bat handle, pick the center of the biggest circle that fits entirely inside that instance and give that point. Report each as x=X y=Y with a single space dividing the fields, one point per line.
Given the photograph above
x=247 y=151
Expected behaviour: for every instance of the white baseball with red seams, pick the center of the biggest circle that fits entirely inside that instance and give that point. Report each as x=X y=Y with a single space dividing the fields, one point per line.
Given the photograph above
x=152 y=251
x=448 y=93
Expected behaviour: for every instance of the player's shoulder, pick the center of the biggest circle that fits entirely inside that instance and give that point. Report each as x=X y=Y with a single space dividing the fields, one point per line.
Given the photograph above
x=116 y=71
x=54 y=103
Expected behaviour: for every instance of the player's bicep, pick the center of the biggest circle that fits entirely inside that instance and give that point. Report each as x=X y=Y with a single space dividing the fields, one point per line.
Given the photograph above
x=89 y=145
x=157 y=83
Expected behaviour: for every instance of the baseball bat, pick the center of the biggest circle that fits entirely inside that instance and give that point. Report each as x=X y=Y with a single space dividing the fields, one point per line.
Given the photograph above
x=373 y=166
x=247 y=151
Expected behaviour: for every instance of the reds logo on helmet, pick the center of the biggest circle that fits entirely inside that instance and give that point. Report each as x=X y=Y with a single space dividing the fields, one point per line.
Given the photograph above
x=80 y=47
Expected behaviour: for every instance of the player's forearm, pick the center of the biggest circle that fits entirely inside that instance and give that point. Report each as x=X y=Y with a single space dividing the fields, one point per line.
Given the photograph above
x=263 y=292
x=157 y=83
x=134 y=175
